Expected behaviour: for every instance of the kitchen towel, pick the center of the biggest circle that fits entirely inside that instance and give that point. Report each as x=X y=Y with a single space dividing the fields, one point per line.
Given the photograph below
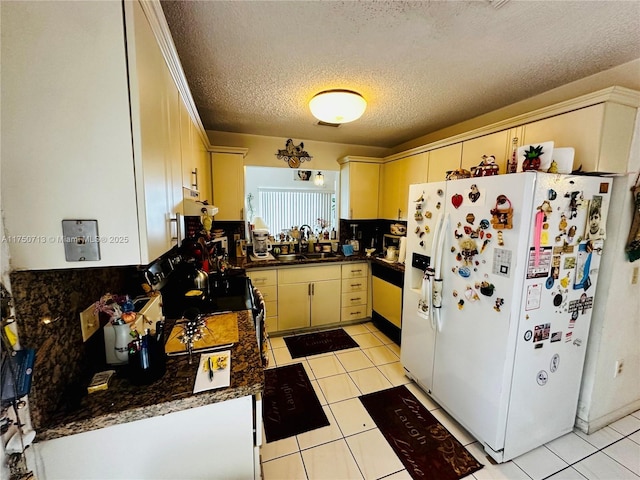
x=403 y=250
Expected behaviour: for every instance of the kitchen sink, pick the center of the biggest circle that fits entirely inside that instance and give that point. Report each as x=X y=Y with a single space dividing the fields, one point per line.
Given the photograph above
x=319 y=255
x=288 y=257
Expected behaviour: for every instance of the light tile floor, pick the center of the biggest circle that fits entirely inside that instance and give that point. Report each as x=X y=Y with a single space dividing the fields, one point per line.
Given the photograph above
x=352 y=447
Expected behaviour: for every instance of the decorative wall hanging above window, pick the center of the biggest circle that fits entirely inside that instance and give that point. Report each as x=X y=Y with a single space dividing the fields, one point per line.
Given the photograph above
x=294 y=155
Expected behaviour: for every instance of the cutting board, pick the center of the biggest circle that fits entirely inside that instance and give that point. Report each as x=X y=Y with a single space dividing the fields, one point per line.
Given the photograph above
x=220 y=330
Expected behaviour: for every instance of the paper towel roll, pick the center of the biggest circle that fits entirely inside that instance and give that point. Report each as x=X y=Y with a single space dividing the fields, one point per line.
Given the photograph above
x=403 y=250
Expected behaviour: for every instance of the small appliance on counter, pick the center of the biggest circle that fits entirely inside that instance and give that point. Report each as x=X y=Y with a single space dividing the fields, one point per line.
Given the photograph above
x=391 y=246
x=261 y=244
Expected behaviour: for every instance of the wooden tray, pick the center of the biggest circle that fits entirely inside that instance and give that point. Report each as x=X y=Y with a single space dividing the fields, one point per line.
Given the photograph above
x=221 y=330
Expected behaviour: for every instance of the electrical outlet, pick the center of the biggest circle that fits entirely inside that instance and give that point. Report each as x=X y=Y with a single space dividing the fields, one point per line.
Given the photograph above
x=619 y=367
x=89 y=322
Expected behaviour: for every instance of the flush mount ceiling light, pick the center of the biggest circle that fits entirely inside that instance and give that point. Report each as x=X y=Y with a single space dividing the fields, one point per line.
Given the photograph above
x=337 y=106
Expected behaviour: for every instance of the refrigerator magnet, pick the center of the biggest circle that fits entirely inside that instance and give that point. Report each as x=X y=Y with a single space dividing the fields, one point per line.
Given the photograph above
x=527 y=335
x=502 y=213
x=474 y=193
x=556 y=337
x=542 y=378
x=499 y=303
x=534 y=292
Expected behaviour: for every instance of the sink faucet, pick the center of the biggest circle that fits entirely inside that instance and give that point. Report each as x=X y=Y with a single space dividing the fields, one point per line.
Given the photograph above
x=305 y=230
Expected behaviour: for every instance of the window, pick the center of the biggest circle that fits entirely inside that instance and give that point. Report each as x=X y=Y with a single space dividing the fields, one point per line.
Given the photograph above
x=283 y=208
x=283 y=198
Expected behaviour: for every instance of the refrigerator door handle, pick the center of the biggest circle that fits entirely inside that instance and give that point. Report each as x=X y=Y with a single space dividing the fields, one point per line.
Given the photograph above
x=438 y=281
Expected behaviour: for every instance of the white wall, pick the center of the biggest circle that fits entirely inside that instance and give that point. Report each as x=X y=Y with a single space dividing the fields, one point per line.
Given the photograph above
x=615 y=324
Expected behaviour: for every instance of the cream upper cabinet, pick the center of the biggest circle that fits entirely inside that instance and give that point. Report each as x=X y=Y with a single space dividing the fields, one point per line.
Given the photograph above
x=600 y=134
x=442 y=160
x=156 y=134
x=83 y=99
x=395 y=178
x=227 y=168
x=196 y=167
x=497 y=144
x=359 y=182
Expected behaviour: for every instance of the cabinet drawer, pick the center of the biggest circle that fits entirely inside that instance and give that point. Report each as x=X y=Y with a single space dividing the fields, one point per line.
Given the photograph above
x=308 y=274
x=354 y=285
x=355 y=270
x=354 y=298
x=269 y=293
x=353 y=313
x=260 y=278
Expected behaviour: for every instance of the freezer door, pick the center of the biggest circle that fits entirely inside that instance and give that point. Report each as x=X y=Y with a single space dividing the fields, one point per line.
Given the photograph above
x=426 y=205
x=485 y=241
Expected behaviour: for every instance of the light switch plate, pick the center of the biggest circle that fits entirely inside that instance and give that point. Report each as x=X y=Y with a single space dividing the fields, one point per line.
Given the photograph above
x=81 y=241
x=89 y=322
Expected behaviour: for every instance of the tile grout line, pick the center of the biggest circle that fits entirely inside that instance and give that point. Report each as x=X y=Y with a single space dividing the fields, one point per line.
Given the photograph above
x=592 y=454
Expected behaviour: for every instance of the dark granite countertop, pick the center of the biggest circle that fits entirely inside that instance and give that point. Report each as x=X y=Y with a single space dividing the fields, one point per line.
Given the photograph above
x=123 y=402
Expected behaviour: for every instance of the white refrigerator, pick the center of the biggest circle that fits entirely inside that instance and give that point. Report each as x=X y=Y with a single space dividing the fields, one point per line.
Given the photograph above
x=500 y=275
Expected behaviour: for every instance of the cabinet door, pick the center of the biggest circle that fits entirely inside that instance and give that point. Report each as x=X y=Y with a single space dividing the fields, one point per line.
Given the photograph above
x=441 y=160
x=196 y=170
x=293 y=306
x=392 y=178
x=580 y=129
x=75 y=98
x=325 y=302
x=364 y=179
x=497 y=144
x=228 y=185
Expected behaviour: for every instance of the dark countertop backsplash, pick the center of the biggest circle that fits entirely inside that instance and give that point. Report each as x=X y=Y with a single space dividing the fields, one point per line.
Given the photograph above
x=63 y=362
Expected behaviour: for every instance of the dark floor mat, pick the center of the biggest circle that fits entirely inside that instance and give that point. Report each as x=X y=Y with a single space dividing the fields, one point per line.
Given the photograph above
x=290 y=405
x=424 y=446
x=319 y=342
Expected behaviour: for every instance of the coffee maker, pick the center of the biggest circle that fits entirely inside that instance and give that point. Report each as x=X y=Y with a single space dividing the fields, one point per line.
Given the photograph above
x=261 y=243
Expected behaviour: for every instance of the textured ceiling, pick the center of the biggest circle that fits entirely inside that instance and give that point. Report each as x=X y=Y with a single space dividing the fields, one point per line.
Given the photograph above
x=252 y=66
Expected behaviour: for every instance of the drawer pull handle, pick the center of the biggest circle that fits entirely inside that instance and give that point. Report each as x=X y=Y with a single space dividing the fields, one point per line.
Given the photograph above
x=355 y=313
x=356 y=284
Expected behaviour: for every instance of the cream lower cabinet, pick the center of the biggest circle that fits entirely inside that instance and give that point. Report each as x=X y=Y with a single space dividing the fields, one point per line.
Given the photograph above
x=308 y=296
x=267 y=282
x=355 y=291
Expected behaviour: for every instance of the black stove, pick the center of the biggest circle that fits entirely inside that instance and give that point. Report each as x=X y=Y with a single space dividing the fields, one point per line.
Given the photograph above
x=225 y=293
x=173 y=276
